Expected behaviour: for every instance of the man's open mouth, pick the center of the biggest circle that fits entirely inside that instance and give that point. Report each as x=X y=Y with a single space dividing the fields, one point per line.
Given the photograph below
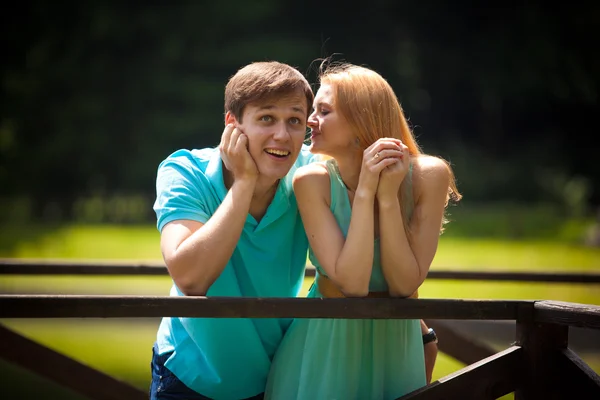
x=278 y=153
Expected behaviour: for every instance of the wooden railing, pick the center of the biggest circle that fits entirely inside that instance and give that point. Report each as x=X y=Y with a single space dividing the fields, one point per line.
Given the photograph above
x=43 y=267
x=539 y=365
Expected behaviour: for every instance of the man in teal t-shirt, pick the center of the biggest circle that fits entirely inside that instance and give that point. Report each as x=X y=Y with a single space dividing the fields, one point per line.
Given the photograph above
x=230 y=226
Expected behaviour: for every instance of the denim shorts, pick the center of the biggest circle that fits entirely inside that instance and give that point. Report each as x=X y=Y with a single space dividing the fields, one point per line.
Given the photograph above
x=166 y=386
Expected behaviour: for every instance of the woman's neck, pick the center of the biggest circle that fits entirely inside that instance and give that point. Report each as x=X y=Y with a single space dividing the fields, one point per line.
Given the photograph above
x=349 y=166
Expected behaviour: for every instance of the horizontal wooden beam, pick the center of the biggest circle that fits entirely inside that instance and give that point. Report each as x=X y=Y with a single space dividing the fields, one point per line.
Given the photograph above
x=563 y=313
x=66 y=267
x=489 y=378
x=65 y=371
x=556 y=277
x=9 y=266
x=109 y=306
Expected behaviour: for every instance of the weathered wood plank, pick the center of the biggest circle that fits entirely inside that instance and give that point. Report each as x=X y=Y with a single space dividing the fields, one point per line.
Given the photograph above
x=563 y=313
x=580 y=377
x=483 y=275
x=540 y=342
x=489 y=378
x=63 y=370
x=10 y=266
x=66 y=267
x=463 y=348
x=77 y=306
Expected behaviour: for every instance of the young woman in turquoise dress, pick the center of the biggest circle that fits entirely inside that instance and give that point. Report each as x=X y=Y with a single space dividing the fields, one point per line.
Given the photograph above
x=373 y=213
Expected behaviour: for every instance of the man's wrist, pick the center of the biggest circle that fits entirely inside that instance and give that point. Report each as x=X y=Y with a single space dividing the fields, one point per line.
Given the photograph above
x=245 y=181
x=430 y=337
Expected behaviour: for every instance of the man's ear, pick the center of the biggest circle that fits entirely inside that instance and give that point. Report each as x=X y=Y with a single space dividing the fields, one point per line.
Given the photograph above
x=230 y=118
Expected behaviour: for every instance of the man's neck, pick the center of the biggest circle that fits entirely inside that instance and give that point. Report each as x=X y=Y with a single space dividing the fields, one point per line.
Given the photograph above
x=263 y=195
x=264 y=192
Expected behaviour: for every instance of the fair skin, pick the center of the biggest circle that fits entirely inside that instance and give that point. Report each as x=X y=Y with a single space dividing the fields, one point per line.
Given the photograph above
x=373 y=184
x=258 y=150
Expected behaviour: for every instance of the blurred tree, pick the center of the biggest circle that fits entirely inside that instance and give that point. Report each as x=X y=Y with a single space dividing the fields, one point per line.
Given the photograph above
x=95 y=94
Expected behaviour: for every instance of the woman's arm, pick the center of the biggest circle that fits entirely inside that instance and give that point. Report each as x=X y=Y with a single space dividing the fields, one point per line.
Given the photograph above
x=347 y=262
x=406 y=259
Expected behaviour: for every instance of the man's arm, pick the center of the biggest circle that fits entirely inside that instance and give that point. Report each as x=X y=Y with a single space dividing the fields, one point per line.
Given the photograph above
x=431 y=349
x=196 y=253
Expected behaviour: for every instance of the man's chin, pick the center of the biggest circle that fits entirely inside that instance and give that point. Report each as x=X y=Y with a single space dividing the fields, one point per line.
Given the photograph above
x=275 y=173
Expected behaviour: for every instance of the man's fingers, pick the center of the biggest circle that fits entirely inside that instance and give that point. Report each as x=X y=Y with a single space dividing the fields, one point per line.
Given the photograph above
x=226 y=137
x=233 y=141
x=242 y=142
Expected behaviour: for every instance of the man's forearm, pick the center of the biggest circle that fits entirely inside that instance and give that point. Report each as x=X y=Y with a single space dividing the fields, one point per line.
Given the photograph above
x=430 y=352
x=200 y=259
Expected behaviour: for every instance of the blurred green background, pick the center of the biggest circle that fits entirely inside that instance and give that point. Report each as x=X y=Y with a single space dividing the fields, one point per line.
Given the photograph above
x=95 y=94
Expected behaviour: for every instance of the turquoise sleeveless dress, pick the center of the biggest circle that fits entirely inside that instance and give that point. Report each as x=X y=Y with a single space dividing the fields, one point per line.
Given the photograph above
x=342 y=358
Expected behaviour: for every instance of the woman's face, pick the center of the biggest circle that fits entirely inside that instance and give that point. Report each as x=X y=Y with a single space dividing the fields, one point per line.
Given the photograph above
x=330 y=132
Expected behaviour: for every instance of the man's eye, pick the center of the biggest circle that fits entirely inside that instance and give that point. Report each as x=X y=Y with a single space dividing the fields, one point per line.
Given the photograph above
x=266 y=118
x=295 y=121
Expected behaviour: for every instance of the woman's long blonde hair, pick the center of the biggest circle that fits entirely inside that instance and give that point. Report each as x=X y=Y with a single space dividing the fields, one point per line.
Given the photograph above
x=368 y=102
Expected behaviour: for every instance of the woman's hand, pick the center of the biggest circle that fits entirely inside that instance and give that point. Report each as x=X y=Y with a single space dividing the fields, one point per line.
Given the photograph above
x=381 y=155
x=392 y=176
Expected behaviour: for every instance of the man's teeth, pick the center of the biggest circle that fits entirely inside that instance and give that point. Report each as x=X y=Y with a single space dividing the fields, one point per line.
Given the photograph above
x=278 y=152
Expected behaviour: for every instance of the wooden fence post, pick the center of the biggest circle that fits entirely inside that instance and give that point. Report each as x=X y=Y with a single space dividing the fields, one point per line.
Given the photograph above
x=542 y=343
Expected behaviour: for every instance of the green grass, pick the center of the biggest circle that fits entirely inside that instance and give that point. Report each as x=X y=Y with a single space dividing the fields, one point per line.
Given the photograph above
x=122 y=348
x=141 y=243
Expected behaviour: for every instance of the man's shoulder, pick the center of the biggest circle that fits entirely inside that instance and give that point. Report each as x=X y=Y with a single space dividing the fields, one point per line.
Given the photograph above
x=195 y=159
x=184 y=156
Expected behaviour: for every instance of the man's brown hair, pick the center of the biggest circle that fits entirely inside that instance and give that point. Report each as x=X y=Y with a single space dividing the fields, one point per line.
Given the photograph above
x=263 y=80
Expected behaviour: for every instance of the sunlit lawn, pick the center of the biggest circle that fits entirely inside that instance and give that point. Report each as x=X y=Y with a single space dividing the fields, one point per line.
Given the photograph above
x=123 y=348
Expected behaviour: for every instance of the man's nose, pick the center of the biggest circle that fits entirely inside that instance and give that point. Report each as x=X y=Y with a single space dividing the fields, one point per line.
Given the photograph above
x=281 y=132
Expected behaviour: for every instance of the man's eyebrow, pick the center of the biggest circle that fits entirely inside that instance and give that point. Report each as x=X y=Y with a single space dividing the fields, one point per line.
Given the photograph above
x=271 y=106
x=301 y=110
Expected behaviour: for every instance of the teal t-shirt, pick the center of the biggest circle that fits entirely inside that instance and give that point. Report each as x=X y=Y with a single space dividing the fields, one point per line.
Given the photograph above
x=226 y=358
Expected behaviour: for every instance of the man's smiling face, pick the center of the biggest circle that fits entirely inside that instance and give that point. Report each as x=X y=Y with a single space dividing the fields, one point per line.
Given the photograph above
x=276 y=129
